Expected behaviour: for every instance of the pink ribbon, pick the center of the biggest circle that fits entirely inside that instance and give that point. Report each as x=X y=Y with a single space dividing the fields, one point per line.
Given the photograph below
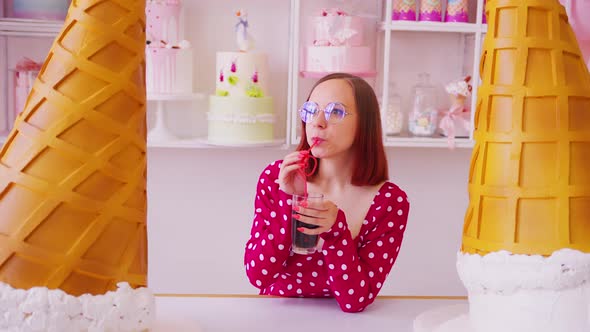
x=447 y=122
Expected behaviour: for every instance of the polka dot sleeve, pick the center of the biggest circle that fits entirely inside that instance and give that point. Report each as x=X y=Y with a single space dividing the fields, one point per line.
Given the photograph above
x=357 y=270
x=267 y=250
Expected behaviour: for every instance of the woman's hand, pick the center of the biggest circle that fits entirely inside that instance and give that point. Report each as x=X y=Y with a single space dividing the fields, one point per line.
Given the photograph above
x=291 y=177
x=321 y=214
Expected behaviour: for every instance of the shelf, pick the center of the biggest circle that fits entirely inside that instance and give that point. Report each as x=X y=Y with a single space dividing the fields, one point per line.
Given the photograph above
x=419 y=142
x=203 y=143
x=426 y=142
x=195 y=143
x=29 y=28
x=176 y=97
x=430 y=26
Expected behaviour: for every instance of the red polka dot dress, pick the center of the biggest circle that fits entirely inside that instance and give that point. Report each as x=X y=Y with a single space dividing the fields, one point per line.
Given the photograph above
x=351 y=270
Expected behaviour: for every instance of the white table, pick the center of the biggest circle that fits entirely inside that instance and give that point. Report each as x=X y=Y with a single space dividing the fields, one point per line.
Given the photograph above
x=262 y=314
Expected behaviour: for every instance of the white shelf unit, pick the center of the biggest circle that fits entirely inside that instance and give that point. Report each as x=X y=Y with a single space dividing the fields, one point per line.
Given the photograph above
x=430 y=26
x=159 y=136
x=386 y=29
x=476 y=29
x=29 y=28
x=301 y=80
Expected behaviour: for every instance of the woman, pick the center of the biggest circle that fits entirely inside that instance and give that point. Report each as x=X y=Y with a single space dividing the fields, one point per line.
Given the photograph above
x=362 y=218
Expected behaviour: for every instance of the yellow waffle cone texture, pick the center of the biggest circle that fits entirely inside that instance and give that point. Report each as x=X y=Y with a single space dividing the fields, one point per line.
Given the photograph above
x=73 y=170
x=529 y=183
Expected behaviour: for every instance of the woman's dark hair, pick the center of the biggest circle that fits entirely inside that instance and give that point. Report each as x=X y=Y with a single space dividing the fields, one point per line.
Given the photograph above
x=370 y=162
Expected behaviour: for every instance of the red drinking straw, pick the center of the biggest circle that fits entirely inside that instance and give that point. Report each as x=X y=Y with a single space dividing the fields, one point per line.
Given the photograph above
x=303 y=164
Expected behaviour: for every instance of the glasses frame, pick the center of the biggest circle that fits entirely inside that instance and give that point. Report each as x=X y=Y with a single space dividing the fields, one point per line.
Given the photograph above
x=327 y=112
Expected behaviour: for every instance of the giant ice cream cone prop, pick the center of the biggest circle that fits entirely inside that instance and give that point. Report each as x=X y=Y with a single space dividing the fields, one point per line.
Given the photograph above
x=529 y=184
x=525 y=255
x=526 y=237
x=73 y=170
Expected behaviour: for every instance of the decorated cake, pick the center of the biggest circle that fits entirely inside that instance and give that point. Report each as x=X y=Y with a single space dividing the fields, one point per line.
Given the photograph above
x=73 y=235
x=525 y=254
x=169 y=58
x=338 y=44
x=241 y=112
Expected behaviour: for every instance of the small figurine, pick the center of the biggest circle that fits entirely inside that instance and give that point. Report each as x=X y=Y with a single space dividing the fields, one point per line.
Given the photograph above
x=456 y=121
x=243 y=38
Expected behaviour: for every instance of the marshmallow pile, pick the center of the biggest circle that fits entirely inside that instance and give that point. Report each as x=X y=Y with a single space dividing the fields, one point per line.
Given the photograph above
x=41 y=309
x=507 y=273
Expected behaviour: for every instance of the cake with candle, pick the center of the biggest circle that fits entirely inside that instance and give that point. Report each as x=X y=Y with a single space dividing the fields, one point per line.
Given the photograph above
x=169 y=57
x=525 y=254
x=241 y=111
x=338 y=43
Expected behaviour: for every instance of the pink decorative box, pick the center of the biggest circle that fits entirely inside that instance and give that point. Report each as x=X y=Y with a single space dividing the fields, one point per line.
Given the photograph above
x=457 y=11
x=37 y=9
x=431 y=10
x=404 y=10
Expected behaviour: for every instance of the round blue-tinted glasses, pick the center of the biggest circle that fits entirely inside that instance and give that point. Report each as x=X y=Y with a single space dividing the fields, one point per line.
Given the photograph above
x=334 y=112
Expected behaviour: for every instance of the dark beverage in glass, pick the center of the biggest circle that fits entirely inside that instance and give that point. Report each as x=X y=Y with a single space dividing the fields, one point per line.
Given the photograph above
x=302 y=243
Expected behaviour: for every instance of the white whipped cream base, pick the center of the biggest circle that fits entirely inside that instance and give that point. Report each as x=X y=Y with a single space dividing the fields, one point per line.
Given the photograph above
x=506 y=273
x=527 y=293
x=41 y=309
